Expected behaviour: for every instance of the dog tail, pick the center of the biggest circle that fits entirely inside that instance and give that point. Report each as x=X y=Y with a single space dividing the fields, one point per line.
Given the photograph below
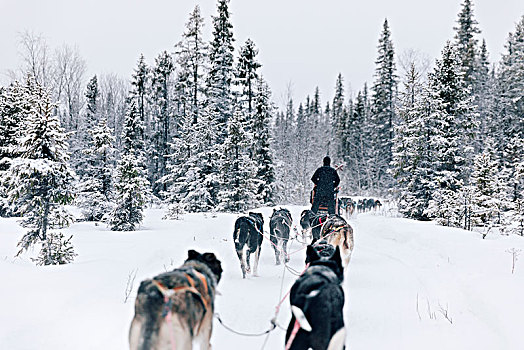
x=301 y=318
x=237 y=235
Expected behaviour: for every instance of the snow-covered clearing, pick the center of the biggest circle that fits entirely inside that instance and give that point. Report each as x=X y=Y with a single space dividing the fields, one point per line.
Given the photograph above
x=405 y=277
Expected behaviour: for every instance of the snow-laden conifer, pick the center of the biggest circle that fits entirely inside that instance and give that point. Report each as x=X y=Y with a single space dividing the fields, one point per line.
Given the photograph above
x=163 y=124
x=39 y=179
x=246 y=74
x=14 y=106
x=238 y=185
x=451 y=125
x=131 y=185
x=191 y=56
x=466 y=42
x=262 y=156
x=95 y=192
x=219 y=104
x=383 y=107
x=509 y=130
x=489 y=193
x=411 y=154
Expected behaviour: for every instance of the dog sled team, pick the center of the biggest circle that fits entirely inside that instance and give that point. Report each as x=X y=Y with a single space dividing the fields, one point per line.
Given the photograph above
x=175 y=309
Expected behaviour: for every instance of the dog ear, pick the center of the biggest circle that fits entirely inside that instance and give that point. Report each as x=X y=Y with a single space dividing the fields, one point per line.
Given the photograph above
x=192 y=254
x=311 y=254
x=209 y=256
x=314 y=241
x=214 y=264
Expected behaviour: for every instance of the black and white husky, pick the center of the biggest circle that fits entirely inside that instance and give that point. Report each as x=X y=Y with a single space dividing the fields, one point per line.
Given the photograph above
x=280 y=226
x=317 y=300
x=305 y=222
x=175 y=308
x=248 y=236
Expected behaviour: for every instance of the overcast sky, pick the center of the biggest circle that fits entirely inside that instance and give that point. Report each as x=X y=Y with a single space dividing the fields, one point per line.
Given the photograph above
x=302 y=42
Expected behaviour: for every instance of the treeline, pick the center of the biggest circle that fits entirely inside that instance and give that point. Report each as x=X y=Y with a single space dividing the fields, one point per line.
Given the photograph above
x=197 y=130
x=447 y=143
x=191 y=130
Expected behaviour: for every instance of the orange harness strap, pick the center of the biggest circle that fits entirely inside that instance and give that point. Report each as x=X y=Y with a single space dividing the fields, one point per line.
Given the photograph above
x=169 y=292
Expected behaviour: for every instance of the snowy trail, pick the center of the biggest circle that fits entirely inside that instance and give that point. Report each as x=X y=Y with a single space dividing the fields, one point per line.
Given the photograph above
x=397 y=264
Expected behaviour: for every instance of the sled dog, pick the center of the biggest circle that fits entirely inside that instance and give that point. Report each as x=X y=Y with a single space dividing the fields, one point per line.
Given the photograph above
x=317 y=300
x=338 y=232
x=279 y=228
x=323 y=249
x=316 y=222
x=175 y=308
x=248 y=234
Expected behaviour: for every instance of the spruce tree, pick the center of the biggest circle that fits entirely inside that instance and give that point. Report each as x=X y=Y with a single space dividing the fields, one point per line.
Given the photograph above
x=262 y=157
x=192 y=59
x=283 y=130
x=356 y=148
x=410 y=148
x=95 y=194
x=80 y=139
x=92 y=102
x=238 y=184
x=187 y=189
x=246 y=73
x=338 y=119
x=39 y=179
x=466 y=42
x=510 y=109
x=184 y=178
x=193 y=174
x=13 y=108
x=488 y=197
x=219 y=103
x=131 y=187
x=383 y=107
x=474 y=66
x=162 y=124
x=484 y=91
x=452 y=125
x=140 y=86
x=219 y=95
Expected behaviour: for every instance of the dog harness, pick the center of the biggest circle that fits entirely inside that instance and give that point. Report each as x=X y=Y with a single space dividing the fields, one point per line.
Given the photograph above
x=169 y=292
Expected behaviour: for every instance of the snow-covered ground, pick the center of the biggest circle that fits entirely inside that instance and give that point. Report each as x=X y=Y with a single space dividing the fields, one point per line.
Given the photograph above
x=410 y=285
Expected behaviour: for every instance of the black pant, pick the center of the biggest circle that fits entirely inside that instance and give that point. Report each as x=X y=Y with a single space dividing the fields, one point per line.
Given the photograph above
x=328 y=199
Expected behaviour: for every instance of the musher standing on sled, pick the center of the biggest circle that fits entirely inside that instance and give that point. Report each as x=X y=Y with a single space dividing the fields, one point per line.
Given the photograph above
x=326 y=180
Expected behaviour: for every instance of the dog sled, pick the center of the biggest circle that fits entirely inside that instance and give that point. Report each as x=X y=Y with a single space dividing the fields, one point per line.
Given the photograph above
x=323 y=208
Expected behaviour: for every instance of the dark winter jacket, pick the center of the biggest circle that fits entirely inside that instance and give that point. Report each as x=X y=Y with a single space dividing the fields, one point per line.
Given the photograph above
x=326 y=179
